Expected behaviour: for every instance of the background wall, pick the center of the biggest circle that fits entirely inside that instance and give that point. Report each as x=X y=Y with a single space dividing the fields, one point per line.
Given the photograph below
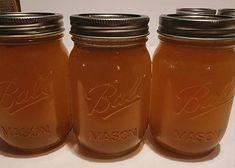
x=152 y=8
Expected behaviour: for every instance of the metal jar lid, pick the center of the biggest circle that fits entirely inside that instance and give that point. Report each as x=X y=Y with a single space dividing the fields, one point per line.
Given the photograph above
x=99 y=25
x=199 y=11
x=226 y=12
x=16 y=24
x=197 y=26
x=10 y=6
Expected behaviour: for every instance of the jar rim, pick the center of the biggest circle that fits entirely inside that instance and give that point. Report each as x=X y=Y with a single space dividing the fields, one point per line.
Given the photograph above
x=20 y=24
x=109 y=25
x=226 y=12
x=197 y=26
x=203 y=11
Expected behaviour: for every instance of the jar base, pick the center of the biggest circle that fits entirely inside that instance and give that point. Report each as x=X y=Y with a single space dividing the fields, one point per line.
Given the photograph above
x=182 y=154
x=13 y=150
x=87 y=152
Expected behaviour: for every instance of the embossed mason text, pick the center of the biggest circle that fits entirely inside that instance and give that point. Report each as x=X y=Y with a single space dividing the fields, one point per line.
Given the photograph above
x=197 y=136
x=112 y=136
x=34 y=131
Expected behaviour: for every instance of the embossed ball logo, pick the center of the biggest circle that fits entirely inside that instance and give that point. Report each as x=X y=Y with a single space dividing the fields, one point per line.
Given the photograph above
x=107 y=100
x=15 y=99
x=199 y=100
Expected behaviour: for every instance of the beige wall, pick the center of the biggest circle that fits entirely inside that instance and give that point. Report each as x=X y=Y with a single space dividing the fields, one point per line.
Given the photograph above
x=153 y=8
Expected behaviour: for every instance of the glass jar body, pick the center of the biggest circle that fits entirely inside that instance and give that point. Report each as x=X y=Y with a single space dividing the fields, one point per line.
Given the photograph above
x=34 y=93
x=192 y=94
x=110 y=85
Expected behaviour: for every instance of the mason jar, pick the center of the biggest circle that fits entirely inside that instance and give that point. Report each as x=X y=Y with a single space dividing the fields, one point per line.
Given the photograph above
x=193 y=82
x=110 y=82
x=34 y=106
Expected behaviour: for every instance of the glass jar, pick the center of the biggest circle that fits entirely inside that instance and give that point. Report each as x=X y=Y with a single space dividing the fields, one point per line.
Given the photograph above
x=196 y=11
x=226 y=12
x=33 y=81
x=193 y=82
x=110 y=81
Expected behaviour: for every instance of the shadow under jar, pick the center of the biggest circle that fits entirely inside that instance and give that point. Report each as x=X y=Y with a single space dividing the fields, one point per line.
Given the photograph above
x=33 y=81
x=193 y=82
x=110 y=79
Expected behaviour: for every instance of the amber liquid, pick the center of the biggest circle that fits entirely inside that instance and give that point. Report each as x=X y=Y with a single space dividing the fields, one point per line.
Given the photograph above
x=192 y=94
x=110 y=92
x=34 y=94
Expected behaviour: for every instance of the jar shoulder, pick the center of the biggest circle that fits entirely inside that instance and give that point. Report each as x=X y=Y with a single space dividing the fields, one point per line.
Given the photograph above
x=109 y=56
x=188 y=57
